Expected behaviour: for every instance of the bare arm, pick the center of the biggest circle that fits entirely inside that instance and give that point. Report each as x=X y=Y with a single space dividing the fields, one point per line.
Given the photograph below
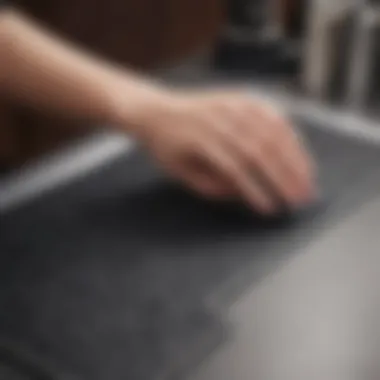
x=211 y=141
x=43 y=71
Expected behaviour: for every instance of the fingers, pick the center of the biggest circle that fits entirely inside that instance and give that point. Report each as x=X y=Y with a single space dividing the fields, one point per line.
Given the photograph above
x=291 y=141
x=265 y=143
x=287 y=155
x=231 y=169
x=229 y=139
x=205 y=182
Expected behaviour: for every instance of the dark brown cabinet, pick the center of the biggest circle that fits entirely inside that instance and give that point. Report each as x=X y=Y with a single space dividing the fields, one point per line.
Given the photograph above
x=140 y=33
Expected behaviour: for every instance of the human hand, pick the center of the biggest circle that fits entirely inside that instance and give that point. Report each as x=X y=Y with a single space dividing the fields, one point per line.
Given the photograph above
x=225 y=145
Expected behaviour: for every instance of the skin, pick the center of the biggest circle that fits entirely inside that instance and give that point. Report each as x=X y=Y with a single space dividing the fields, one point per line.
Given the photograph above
x=212 y=140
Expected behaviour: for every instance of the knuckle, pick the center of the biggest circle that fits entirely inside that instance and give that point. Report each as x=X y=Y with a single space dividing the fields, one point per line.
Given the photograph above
x=251 y=152
x=227 y=105
x=189 y=146
x=221 y=107
x=267 y=144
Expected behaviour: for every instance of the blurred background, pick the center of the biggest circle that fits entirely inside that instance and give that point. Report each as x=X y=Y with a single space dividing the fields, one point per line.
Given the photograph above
x=85 y=268
x=327 y=50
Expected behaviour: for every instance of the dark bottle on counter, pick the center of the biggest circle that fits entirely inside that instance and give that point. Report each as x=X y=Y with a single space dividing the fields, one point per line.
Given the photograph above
x=248 y=16
x=254 y=40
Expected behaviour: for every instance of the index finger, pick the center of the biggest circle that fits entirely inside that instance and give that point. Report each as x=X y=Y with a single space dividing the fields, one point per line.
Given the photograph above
x=241 y=179
x=290 y=140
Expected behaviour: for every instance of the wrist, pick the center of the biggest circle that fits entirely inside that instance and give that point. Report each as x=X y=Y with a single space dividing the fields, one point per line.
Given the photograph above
x=134 y=107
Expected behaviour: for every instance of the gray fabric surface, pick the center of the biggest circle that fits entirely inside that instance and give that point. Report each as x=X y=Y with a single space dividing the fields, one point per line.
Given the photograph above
x=124 y=275
x=20 y=363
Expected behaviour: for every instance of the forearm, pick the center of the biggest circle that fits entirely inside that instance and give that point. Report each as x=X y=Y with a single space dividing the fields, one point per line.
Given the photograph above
x=44 y=72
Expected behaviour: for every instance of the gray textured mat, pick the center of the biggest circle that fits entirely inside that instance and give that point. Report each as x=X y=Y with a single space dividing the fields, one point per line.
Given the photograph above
x=123 y=275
